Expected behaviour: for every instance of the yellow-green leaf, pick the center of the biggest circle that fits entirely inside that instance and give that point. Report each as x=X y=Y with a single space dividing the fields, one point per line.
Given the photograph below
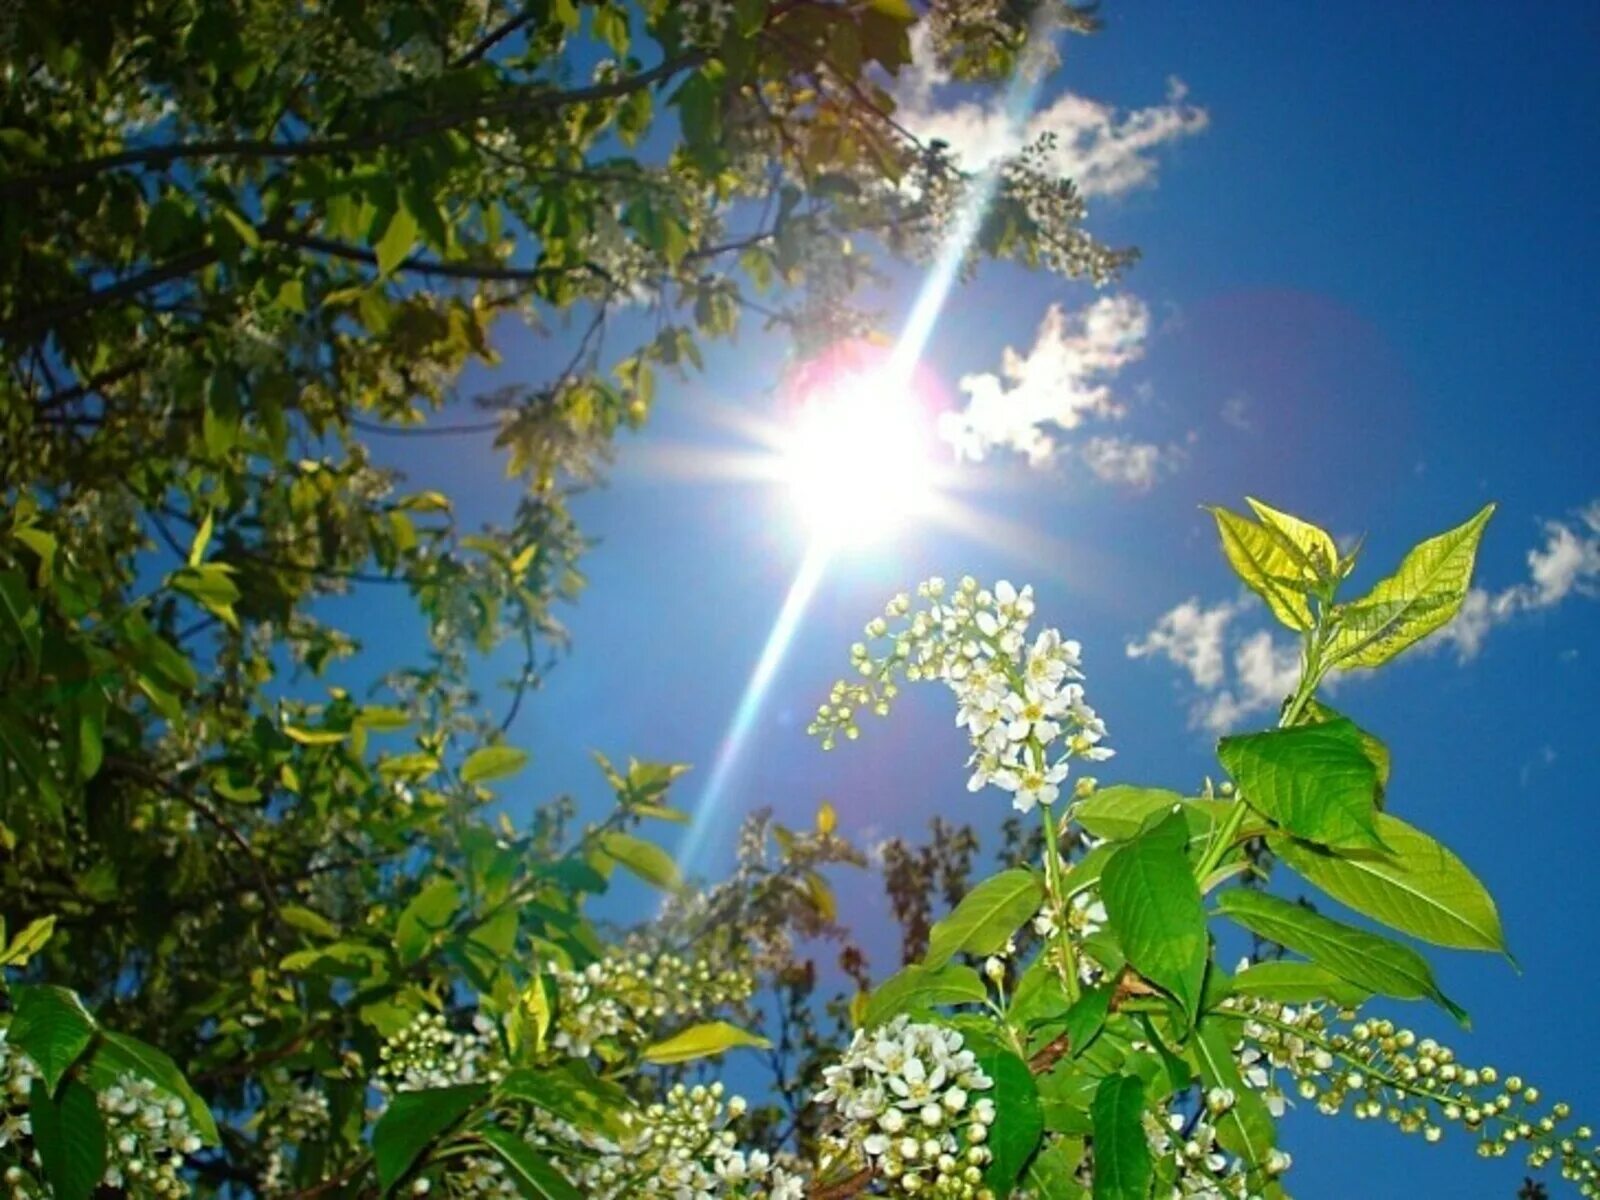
x=645 y=859
x=702 y=1041
x=1424 y=594
x=492 y=762
x=1266 y=567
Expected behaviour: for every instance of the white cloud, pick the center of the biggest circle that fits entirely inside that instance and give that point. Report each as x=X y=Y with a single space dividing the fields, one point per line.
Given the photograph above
x=1192 y=637
x=1236 y=678
x=1134 y=464
x=1566 y=564
x=1061 y=382
x=1236 y=412
x=1104 y=150
x=1264 y=672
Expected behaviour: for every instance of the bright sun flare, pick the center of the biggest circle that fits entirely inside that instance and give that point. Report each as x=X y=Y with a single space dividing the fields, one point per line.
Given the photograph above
x=858 y=458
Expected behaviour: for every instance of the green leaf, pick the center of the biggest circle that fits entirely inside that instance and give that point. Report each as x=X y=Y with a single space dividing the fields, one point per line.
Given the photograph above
x=573 y=1093
x=1419 y=887
x=1425 y=593
x=1086 y=1018
x=1052 y=1175
x=16 y=603
x=986 y=917
x=1245 y=1127
x=1365 y=959
x=302 y=918
x=900 y=10
x=1297 y=983
x=1266 y=567
x=645 y=859
x=70 y=1137
x=492 y=762
x=1316 y=781
x=117 y=1054
x=1119 y=812
x=427 y=915
x=528 y=1169
x=702 y=1041
x=1018 y=1118
x=412 y=1121
x=397 y=240
x=1312 y=549
x=1121 y=1154
x=29 y=942
x=918 y=987
x=53 y=1027
x=1317 y=713
x=1154 y=907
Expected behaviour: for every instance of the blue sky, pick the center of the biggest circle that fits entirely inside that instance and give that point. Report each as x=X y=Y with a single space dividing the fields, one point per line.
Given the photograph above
x=1368 y=295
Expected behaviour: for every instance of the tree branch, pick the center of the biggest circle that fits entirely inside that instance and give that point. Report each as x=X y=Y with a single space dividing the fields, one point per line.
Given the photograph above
x=527 y=100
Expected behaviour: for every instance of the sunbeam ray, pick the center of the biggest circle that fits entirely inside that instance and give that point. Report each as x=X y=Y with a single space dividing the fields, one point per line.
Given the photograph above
x=750 y=702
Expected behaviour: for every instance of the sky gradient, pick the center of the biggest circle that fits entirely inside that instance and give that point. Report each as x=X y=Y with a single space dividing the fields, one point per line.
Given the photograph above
x=1367 y=298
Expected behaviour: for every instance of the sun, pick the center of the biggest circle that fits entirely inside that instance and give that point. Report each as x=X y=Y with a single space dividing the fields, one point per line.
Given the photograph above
x=858 y=457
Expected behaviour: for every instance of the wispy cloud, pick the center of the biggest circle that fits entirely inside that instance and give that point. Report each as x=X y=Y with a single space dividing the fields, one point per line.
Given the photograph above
x=1103 y=149
x=1238 y=672
x=1567 y=563
x=1062 y=381
x=1137 y=465
x=1234 y=676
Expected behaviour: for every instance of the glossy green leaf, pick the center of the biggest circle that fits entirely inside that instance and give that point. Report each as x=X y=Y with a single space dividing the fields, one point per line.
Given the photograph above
x=70 y=1136
x=1423 y=595
x=916 y=987
x=527 y=1167
x=1119 y=812
x=1365 y=959
x=1245 y=1128
x=1297 y=983
x=1315 y=781
x=1052 y=1175
x=987 y=916
x=1122 y=1166
x=702 y=1041
x=572 y=1092
x=53 y=1027
x=1418 y=887
x=1154 y=907
x=1018 y=1118
x=412 y=1122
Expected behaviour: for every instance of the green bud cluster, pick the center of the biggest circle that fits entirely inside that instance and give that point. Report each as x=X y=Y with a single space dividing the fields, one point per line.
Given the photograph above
x=1379 y=1071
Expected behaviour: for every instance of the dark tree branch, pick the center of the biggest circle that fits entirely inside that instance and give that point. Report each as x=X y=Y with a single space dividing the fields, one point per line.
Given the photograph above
x=528 y=100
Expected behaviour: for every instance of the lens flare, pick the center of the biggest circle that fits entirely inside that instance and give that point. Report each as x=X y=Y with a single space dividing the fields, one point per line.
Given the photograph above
x=858 y=459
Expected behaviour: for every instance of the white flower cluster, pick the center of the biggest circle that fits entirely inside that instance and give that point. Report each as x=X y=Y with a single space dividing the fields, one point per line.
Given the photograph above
x=904 y=1096
x=298 y=1118
x=620 y=997
x=683 y=1150
x=1385 y=1072
x=17 y=1073
x=1202 y=1170
x=1021 y=705
x=147 y=1136
x=429 y=1054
